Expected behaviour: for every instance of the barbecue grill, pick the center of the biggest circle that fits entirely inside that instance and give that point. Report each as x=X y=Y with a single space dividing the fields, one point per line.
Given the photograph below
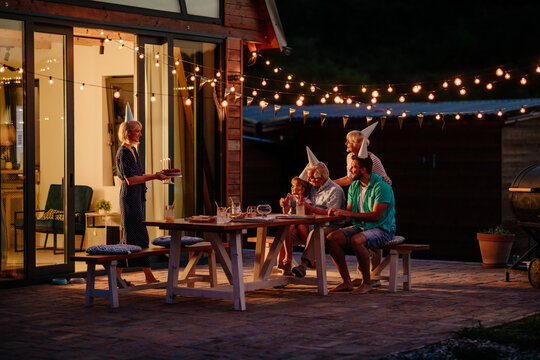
x=525 y=198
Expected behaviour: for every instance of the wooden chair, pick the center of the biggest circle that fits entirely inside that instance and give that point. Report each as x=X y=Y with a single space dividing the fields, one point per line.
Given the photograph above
x=51 y=220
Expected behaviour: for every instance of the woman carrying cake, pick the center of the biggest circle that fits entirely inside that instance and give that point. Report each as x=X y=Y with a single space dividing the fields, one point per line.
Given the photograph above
x=132 y=193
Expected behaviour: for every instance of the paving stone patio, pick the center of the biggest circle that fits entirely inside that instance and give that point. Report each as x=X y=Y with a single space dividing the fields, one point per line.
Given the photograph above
x=51 y=321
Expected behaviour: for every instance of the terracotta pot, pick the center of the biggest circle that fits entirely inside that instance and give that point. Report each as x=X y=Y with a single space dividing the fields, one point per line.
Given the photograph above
x=495 y=249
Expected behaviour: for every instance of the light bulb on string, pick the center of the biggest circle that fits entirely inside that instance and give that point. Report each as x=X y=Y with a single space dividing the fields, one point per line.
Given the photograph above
x=213 y=84
x=192 y=78
x=335 y=89
x=2 y=69
x=489 y=86
x=302 y=83
x=116 y=93
x=522 y=110
x=157 y=56
x=337 y=99
x=523 y=81
x=438 y=117
x=507 y=76
x=81 y=87
x=289 y=77
x=458 y=116
x=390 y=89
x=197 y=69
x=368 y=107
x=263 y=83
x=153 y=97
x=416 y=89
x=349 y=101
x=224 y=103
x=402 y=98
x=479 y=115
x=136 y=48
x=276 y=70
x=375 y=93
x=187 y=102
x=404 y=114
x=373 y=100
x=254 y=54
x=267 y=62
x=157 y=63
x=302 y=97
x=262 y=103
x=254 y=93
x=312 y=88
x=177 y=63
x=121 y=46
x=463 y=91
x=431 y=96
x=457 y=81
x=276 y=96
x=388 y=112
x=21 y=70
x=357 y=105
x=364 y=89
x=102 y=33
x=233 y=89
x=218 y=74
x=173 y=71
x=299 y=102
x=499 y=72
x=323 y=100
x=287 y=86
x=499 y=113
x=477 y=80
x=141 y=56
x=51 y=81
x=538 y=68
x=242 y=79
x=445 y=84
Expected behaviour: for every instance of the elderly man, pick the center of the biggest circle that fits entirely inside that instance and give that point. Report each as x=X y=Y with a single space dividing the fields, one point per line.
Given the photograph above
x=371 y=207
x=324 y=195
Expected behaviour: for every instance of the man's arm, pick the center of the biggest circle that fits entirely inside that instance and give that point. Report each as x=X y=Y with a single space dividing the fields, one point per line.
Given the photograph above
x=373 y=216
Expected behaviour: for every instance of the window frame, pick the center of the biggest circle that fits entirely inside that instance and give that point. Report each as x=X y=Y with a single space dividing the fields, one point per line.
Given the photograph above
x=149 y=12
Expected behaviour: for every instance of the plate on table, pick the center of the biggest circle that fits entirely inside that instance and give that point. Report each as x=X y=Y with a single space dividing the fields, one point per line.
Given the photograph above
x=201 y=219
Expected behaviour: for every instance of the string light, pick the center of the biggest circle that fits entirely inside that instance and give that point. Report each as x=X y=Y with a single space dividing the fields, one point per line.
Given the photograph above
x=157 y=63
x=457 y=81
x=327 y=96
x=388 y=112
x=299 y=102
x=116 y=93
x=276 y=96
x=499 y=113
x=82 y=86
x=289 y=77
x=507 y=76
x=153 y=98
x=157 y=56
x=489 y=86
x=431 y=96
x=224 y=103
x=499 y=72
x=477 y=80
x=402 y=98
x=187 y=102
x=2 y=69
x=287 y=85
x=263 y=83
x=141 y=56
x=445 y=84
x=438 y=117
x=375 y=93
x=404 y=114
x=538 y=68
x=177 y=63
x=369 y=107
x=357 y=105
x=458 y=116
x=337 y=99
x=523 y=81
x=335 y=89
x=173 y=71
x=390 y=89
x=479 y=115
x=20 y=70
x=213 y=84
x=302 y=83
x=522 y=110
x=262 y=103
x=364 y=89
x=462 y=91
x=267 y=62
x=312 y=88
x=373 y=100
x=242 y=79
x=254 y=93
x=51 y=81
x=416 y=89
x=349 y=101
x=192 y=78
x=197 y=69
x=323 y=100
x=218 y=74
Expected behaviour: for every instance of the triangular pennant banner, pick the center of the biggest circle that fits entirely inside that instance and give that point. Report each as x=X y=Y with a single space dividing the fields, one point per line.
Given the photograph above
x=420 y=119
x=291 y=113
x=227 y=92
x=276 y=109
x=345 y=118
x=203 y=81
x=368 y=119
x=237 y=96
x=400 y=121
x=263 y=104
x=249 y=100
x=323 y=117
x=306 y=113
x=383 y=121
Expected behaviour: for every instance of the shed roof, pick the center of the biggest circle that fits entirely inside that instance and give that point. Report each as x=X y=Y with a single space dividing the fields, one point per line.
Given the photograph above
x=254 y=114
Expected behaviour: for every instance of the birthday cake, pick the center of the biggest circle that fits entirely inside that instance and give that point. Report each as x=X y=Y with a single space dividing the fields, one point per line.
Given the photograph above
x=172 y=172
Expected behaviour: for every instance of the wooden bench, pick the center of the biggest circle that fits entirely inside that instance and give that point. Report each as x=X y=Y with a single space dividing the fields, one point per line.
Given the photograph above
x=188 y=276
x=392 y=259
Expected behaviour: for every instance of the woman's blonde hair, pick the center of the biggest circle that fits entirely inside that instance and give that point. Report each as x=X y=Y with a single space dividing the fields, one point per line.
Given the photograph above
x=356 y=137
x=126 y=127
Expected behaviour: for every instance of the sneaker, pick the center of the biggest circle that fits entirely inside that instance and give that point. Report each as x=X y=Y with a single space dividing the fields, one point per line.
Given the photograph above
x=287 y=268
x=299 y=271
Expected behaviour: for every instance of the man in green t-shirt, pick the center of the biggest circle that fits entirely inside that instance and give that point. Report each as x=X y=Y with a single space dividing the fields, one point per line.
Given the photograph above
x=371 y=207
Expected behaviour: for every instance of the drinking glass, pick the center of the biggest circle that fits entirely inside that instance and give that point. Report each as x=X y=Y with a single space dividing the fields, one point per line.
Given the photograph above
x=169 y=213
x=264 y=209
x=222 y=215
x=251 y=211
x=235 y=211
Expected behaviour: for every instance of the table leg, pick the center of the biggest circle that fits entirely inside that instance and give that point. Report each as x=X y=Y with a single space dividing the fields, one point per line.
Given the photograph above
x=239 y=295
x=260 y=250
x=221 y=254
x=113 y=288
x=174 y=263
x=270 y=260
x=90 y=281
x=318 y=233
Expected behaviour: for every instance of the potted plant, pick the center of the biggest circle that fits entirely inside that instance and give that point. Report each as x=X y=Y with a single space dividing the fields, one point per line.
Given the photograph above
x=103 y=206
x=495 y=245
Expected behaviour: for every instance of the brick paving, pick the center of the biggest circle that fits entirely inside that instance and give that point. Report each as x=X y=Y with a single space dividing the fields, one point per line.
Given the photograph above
x=51 y=321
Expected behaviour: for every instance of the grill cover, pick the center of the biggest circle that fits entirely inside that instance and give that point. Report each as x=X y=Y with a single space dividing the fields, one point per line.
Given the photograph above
x=525 y=194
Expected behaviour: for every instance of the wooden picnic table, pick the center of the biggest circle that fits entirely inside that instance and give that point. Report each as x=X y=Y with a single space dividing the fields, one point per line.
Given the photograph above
x=233 y=265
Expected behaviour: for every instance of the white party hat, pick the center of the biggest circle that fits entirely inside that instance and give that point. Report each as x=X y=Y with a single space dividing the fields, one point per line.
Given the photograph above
x=368 y=130
x=362 y=153
x=129 y=114
x=311 y=157
x=303 y=174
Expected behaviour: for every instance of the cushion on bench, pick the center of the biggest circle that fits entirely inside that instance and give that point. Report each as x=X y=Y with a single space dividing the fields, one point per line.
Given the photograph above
x=113 y=249
x=395 y=241
x=165 y=241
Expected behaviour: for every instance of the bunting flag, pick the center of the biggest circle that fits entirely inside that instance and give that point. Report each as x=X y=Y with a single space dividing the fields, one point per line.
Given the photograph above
x=383 y=121
x=249 y=100
x=276 y=109
x=237 y=96
x=263 y=104
x=291 y=113
x=306 y=113
x=203 y=81
x=400 y=121
x=345 y=119
x=323 y=117
x=369 y=118
x=420 y=119
x=227 y=92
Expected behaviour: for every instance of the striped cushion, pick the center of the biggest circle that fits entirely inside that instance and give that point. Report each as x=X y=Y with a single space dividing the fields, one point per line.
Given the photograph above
x=395 y=241
x=113 y=249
